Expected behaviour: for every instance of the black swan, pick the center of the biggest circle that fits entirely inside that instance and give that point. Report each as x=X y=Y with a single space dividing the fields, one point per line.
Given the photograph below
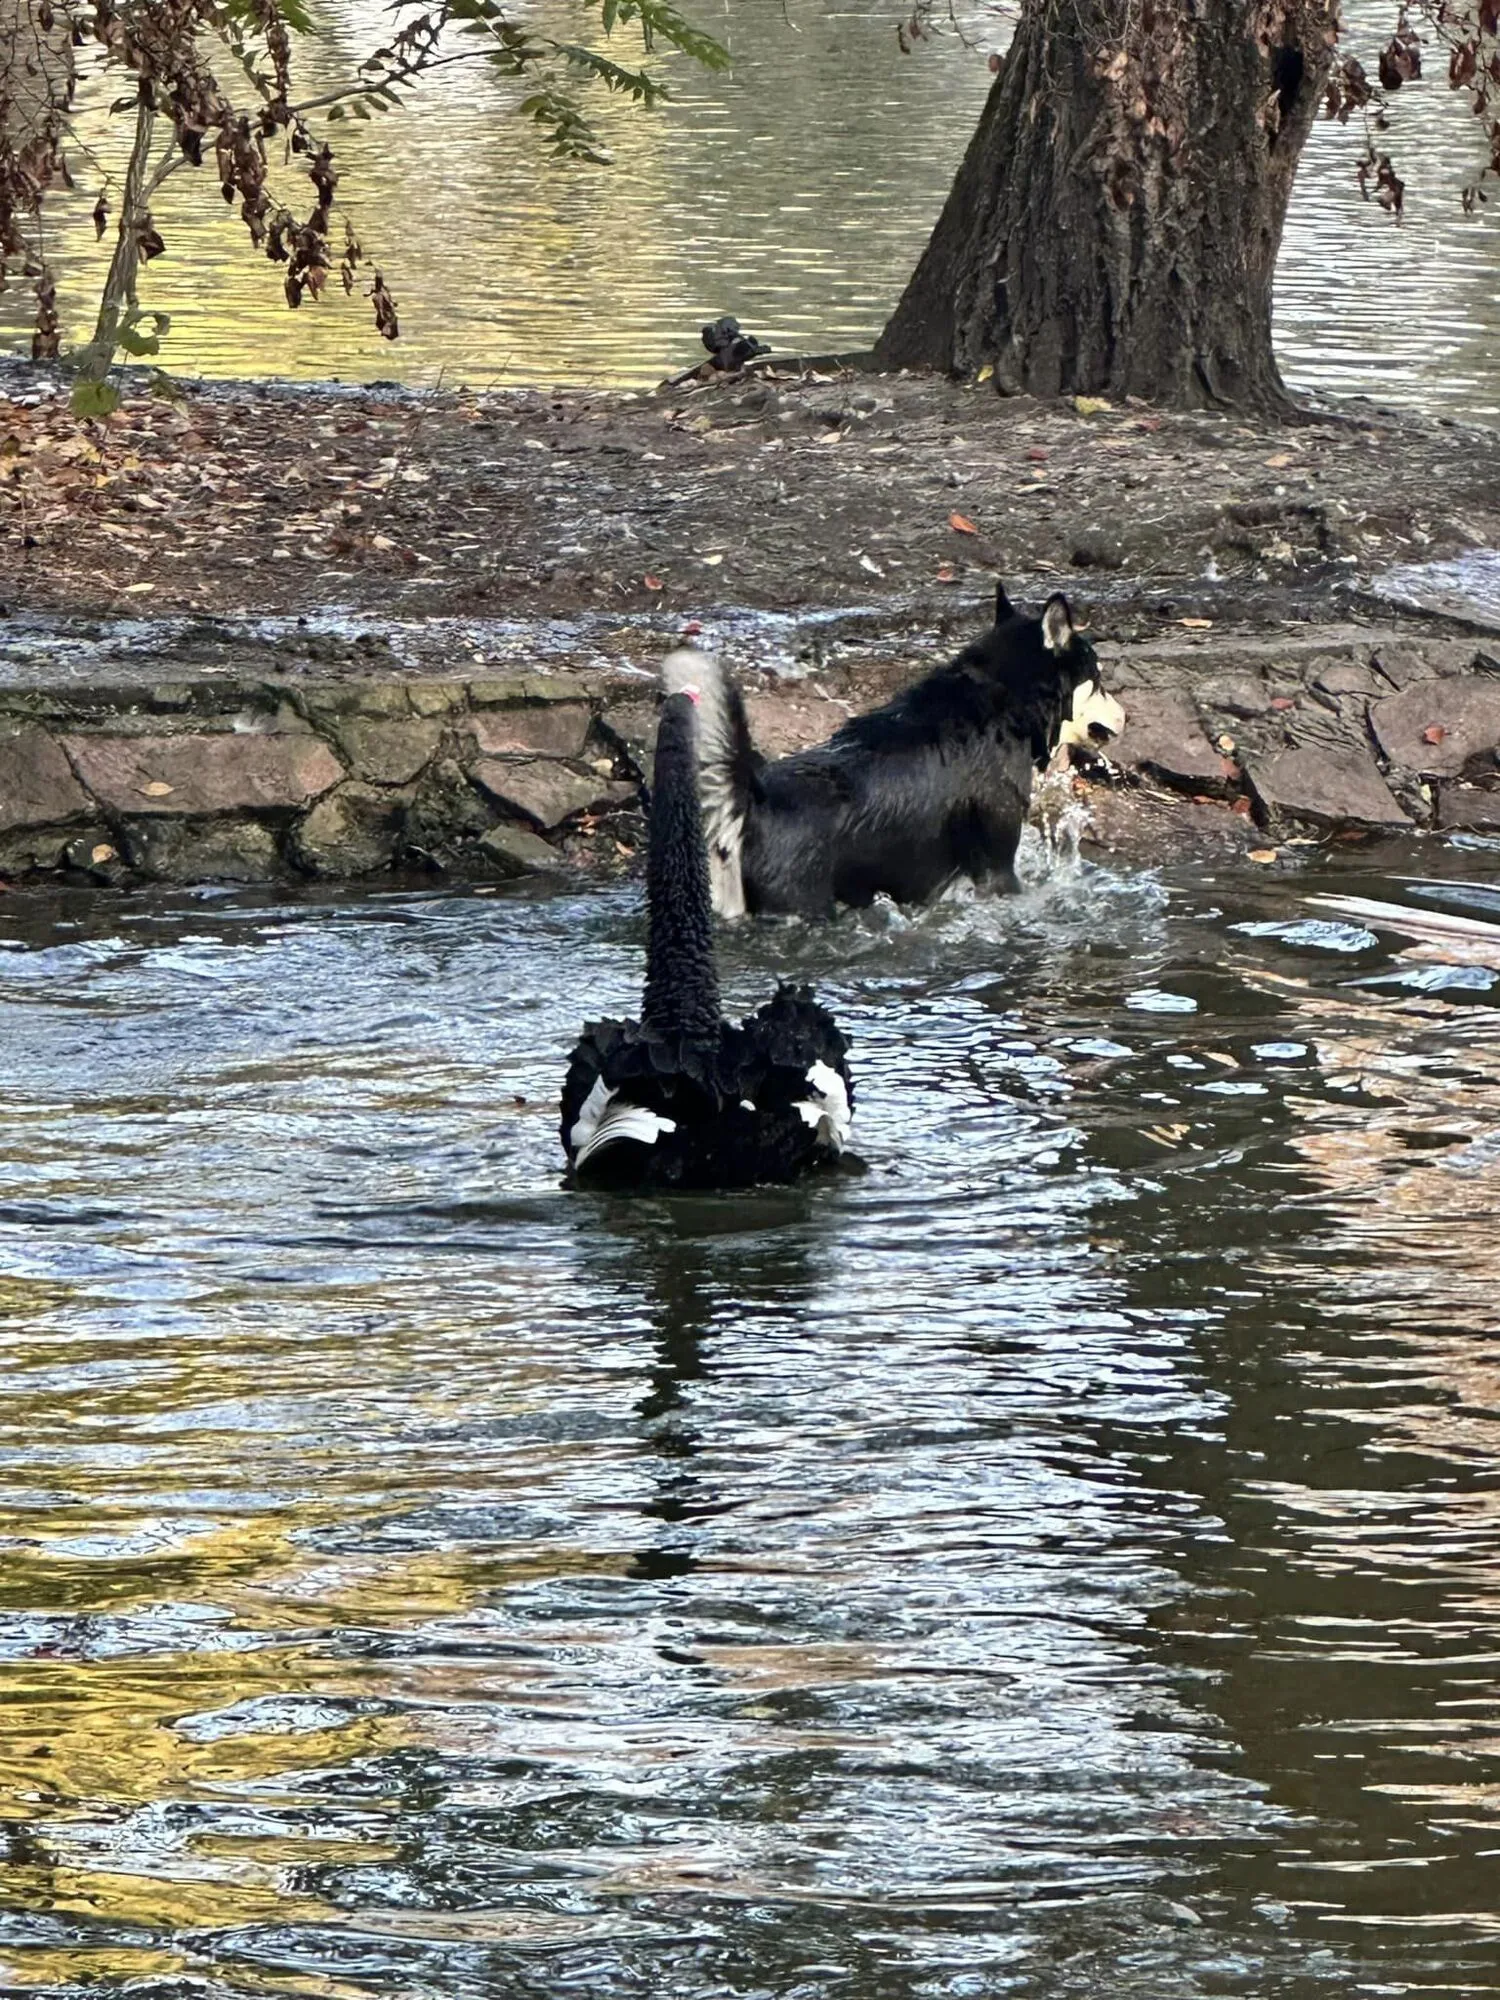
x=684 y=1099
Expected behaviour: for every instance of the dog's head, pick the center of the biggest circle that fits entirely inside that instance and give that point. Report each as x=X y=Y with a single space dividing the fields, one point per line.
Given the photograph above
x=1055 y=669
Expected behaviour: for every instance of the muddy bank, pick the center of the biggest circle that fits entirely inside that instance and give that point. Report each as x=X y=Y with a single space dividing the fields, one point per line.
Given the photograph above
x=250 y=632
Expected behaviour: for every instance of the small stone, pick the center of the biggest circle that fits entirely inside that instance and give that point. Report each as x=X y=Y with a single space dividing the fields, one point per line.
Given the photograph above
x=1462 y=714
x=514 y=850
x=1098 y=550
x=1327 y=785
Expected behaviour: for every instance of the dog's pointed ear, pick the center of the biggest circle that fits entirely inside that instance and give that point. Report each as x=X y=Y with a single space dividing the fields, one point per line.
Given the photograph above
x=1004 y=609
x=1057 y=624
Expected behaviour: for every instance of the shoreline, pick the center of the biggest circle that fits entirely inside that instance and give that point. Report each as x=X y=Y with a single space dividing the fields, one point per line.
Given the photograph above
x=251 y=634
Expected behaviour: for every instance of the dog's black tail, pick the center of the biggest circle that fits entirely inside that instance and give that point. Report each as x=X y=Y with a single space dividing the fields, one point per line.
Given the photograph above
x=727 y=769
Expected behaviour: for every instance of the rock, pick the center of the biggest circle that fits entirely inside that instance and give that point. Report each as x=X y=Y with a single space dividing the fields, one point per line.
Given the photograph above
x=513 y=850
x=1242 y=695
x=328 y=702
x=436 y=697
x=388 y=753
x=1096 y=548
x=236 y=850
x=1465 y=709
x=549 y=729
x=37 y=786
x=546 y=792
x=1327 y=785
x=632 y=726
x=782 y=723
x=200 y=774
x=500 y=692
x=355 y=831
x=1468 y=809
x=1151 y=827
x=1162 y=735
x=1344 y=677
x=1402 y=665
x=39 y=850
x=96 y=855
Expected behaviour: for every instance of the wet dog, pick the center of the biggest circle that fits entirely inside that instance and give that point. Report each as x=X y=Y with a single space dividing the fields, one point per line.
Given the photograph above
x=903 y=801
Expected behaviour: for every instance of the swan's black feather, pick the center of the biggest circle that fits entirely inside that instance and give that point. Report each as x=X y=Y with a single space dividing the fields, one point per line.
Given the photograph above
x=683 y=1098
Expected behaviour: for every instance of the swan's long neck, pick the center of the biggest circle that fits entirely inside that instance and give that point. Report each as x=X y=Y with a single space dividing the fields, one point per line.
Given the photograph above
x=682 y=986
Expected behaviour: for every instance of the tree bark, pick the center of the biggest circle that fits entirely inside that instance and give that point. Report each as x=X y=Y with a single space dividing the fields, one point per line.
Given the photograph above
x=1114 y=226
x=119 y=297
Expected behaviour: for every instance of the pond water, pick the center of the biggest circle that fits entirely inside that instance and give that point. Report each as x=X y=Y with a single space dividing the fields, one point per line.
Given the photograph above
x=797 y=192
x=1061 y=1559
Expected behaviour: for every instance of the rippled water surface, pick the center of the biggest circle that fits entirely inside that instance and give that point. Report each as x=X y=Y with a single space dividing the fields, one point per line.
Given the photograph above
x=1060 y=1560
x=796 y=192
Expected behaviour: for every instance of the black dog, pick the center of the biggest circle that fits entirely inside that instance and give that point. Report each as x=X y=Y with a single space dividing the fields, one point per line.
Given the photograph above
x=902 y=801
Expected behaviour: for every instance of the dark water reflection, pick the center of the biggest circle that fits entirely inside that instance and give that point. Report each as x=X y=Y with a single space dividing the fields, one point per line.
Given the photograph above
x=1059 y=1560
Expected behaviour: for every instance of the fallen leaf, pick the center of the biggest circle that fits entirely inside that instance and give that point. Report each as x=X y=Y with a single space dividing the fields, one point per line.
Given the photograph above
x=1226 y=744
x=1240 y=806
x=652 y=582
x=103 y=852
x=1263 y=854
x=1435 y=734
x=1038 y=454
x=713 y=561
x=691 y=629
x=869 y=563
x=157 y=789
x=1281 y=458
x=946 y=573
x=985 y=372
x=962 y=525
x=138 y=589
x=1282 y=701
x=1089 y=406
x=1197 y=624
x=1148 y=423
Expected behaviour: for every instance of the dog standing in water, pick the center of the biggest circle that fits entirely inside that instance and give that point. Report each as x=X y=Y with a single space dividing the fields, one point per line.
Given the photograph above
x=903 y=801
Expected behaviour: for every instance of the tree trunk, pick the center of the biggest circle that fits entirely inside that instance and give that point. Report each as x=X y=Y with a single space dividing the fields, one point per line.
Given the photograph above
x=1114 y=226
x=119 y=297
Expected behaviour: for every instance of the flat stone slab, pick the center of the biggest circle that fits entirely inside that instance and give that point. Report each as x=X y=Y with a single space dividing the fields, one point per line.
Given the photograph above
x=1462 y=713
x=547 y=729
x=543 y=792
x=1327 y=786
x=1163 y=735
x=37 y=786
x=207 y=774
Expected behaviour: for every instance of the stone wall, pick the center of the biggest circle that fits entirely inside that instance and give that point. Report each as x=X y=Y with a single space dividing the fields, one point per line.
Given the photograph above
x=345 y=778
x=1328 y=730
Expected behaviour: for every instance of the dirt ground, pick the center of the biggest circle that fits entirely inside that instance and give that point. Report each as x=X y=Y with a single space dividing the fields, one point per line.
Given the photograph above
x=777 y=493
